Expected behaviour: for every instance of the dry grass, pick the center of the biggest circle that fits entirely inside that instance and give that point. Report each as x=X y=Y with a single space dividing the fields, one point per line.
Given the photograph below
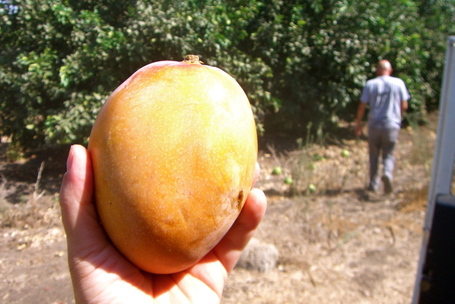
x=414 y=199
x=327 y=168
x=336 y=244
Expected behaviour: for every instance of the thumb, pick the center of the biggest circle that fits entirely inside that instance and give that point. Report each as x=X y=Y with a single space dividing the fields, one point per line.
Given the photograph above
x=76 y=193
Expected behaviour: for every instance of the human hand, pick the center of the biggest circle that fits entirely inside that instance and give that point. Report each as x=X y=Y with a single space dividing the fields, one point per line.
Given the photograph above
x=358 y=129
x=100 y=274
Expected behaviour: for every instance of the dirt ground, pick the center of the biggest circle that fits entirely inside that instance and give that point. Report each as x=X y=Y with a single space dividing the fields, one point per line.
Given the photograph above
x=337 y=243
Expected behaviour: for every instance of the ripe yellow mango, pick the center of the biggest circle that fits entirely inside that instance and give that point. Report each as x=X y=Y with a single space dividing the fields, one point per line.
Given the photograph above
x=174 y=150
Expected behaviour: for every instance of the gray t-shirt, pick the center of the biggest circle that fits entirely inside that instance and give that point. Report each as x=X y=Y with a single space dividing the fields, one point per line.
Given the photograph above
x=384 y=95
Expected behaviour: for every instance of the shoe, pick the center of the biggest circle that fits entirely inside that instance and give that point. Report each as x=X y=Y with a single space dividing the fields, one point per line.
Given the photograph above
x=371 y=189
x=388 y=188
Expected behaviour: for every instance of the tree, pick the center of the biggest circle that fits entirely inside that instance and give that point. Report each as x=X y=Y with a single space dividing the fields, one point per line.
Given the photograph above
x=56 y=61
x=322 y=52
x=301 y=63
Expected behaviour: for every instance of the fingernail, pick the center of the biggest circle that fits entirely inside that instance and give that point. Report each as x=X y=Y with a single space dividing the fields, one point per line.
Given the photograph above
x=69 y=161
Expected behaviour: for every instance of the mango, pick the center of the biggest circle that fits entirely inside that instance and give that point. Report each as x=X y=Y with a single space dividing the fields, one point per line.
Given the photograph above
x=174 y=151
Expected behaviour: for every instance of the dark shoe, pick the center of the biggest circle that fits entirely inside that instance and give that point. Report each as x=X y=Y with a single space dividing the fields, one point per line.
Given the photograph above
x=388 y=188
x=371 y=189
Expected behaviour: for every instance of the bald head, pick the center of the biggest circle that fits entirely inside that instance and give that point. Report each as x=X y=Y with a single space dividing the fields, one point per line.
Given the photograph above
x=384 y=67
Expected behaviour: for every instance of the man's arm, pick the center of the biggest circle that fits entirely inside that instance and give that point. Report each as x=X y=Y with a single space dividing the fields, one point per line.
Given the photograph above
x=404 y=106
x=359 y=117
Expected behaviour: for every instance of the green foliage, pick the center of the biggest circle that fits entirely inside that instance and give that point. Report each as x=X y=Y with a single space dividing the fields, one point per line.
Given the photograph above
x=57 y=65
x=302 y=63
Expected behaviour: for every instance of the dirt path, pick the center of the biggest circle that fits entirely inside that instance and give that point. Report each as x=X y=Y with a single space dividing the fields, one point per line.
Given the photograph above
x=337 y=243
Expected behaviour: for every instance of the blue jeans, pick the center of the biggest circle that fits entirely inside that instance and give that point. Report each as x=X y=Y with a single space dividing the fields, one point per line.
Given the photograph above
x=381 y=141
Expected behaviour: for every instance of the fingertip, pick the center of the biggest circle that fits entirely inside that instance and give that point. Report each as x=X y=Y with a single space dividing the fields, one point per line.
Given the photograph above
x=258 y=195
x=77 y=184
x=252 y=213
x=78 y=168
x=257 y=203
x=70 y=159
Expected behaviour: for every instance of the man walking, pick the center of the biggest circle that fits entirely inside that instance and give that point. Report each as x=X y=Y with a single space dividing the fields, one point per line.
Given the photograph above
x=387 y=98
